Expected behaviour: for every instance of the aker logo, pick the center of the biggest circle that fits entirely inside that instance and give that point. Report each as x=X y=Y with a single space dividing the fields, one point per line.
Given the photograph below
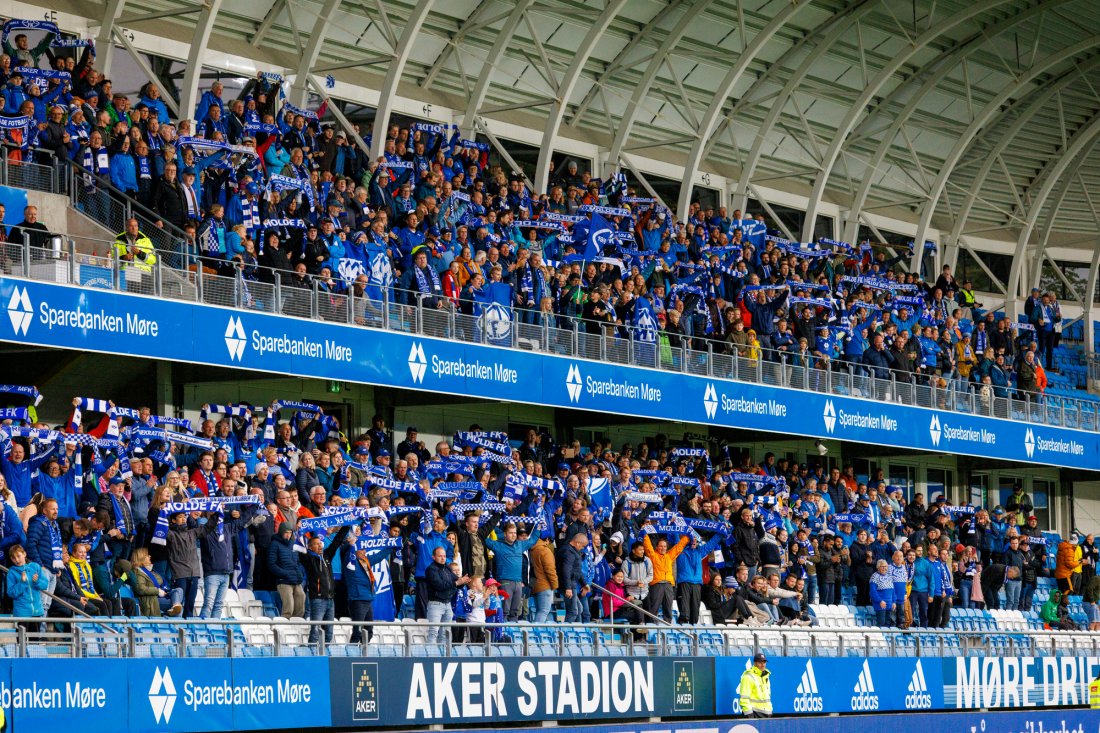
x=830 y=417
x=934 y=430
x=710 y=401
x=364 y=692
x=234 y=338
x=19 y=311
x=573 y=383
x=683 y=686
x=1029 y=440
x=865 y=698
x=918 y=697
x=162 y=695
x=808 y=699
x=417 y=363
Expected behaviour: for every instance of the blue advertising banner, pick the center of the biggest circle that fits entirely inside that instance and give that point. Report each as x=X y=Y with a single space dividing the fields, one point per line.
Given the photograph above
x=1034 y=721
x=182 y=694
x=836 y=685
x=1017 y=682
x=41 y=694
x=116 y=323
x=436 y=691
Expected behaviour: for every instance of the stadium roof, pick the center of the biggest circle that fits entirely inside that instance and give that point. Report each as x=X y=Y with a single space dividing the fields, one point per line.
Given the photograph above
x=976 y=117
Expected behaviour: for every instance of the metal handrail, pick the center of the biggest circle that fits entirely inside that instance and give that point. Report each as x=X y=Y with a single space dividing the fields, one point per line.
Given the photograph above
x=400 y=310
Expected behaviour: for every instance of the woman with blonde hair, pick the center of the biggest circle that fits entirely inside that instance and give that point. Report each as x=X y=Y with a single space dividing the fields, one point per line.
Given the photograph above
x=155 y=597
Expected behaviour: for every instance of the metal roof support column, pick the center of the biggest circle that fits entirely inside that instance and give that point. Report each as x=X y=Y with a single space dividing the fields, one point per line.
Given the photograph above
x=1074 y=154
x=980 y=122
x=299 y=89
x=860 y=105
x=504 y=39
x=204 y=24
x=393 y=74
x=104 y=42
x=710 y=118
x=565 y=90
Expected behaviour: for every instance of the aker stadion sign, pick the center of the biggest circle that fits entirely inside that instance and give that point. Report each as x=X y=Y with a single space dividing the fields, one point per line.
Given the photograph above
x=474 y=690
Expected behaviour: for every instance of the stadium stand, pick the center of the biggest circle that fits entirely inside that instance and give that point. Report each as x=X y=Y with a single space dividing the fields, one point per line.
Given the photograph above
x=253 y=203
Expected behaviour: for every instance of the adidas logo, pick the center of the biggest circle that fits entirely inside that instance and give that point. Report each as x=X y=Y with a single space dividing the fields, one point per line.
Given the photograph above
x=710 y=401
x=234 y=338
x=934 y=430
x=417 y=363
x=162 y=695
x=830 y=417
x=19 y=311
x=808 y=699
x=573 y=383
x=865 y=698
x=918 y=697
x=1029 y=440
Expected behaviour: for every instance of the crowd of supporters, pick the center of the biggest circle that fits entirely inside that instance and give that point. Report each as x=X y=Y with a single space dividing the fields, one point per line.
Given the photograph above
x=130 y=512
x=267 y=191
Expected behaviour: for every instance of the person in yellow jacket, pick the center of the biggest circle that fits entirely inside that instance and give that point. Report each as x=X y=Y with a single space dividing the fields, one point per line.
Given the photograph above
x=662 y=587
x=134 y=248
x=1094 y=693
x=755 y=689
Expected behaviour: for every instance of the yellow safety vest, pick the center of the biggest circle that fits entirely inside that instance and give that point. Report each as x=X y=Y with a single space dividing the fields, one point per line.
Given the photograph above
x=1094 y=694
x=755 y=691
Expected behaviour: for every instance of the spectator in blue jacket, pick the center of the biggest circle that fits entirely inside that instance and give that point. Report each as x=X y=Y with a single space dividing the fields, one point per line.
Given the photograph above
x=217 y=558
x=25 y=583
x=44 y=546
x=287 y=572
x=689 y=576
x=763 y=313
x=56 y=481
x=925 y=582
x=123 y=168
x=18 y=469
x=360 y=580
x=882 y=594
x=508 y=556
x=571 y=575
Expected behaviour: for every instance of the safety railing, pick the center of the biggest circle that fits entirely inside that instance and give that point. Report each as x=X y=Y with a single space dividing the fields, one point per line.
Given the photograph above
x=123 y=637
x=181 y=273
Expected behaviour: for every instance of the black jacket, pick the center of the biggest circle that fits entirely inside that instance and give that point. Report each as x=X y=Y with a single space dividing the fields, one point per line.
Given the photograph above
x=319 y=581
x=442 y=583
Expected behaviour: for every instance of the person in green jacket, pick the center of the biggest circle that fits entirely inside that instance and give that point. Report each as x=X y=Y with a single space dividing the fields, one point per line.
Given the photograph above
x=1049 y=612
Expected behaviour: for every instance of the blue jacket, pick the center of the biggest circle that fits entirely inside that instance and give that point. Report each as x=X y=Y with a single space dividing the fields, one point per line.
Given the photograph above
x=689 y=565
x=216 y=546
x=26 y=599
x=18 y=475
x=763 y=315
x=13 y=530
x=355 y=577
x=425 y=546
x=62 y=489
x=123 y=172
x=39 y=546
x=283 y=562
x=508 y=558
x=882 y=594
x=925 y=578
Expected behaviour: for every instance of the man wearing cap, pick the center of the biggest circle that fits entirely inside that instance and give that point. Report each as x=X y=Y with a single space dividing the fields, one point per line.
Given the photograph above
x=755 y=689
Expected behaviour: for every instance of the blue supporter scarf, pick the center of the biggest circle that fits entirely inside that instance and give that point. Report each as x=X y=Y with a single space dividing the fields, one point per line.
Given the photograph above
x=49 y=28
x=145 y=171
x=155 y=579
x=200 y=504
x=55 y=543
x=22 y=391
x=404 y=487
x=657 y=477
x=422 y=280
x=716 y=526
x=339 y=518
x=480 y=440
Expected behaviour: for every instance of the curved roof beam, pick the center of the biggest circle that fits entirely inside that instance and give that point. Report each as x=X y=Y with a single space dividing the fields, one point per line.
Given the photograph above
x=1074 y=154
x=204 y=24
x=566 y=87
x=641 y=89
x=299 y=90
x=838 y=25
x=859 y=106
x=722 y=93
x=1038 y=103
x=938 y=69
x=504 y=38
x=393 y=75
x=1052 y=211
x=977 y=125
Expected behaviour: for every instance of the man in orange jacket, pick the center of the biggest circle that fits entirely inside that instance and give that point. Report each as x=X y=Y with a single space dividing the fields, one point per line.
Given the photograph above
x=661 y=589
